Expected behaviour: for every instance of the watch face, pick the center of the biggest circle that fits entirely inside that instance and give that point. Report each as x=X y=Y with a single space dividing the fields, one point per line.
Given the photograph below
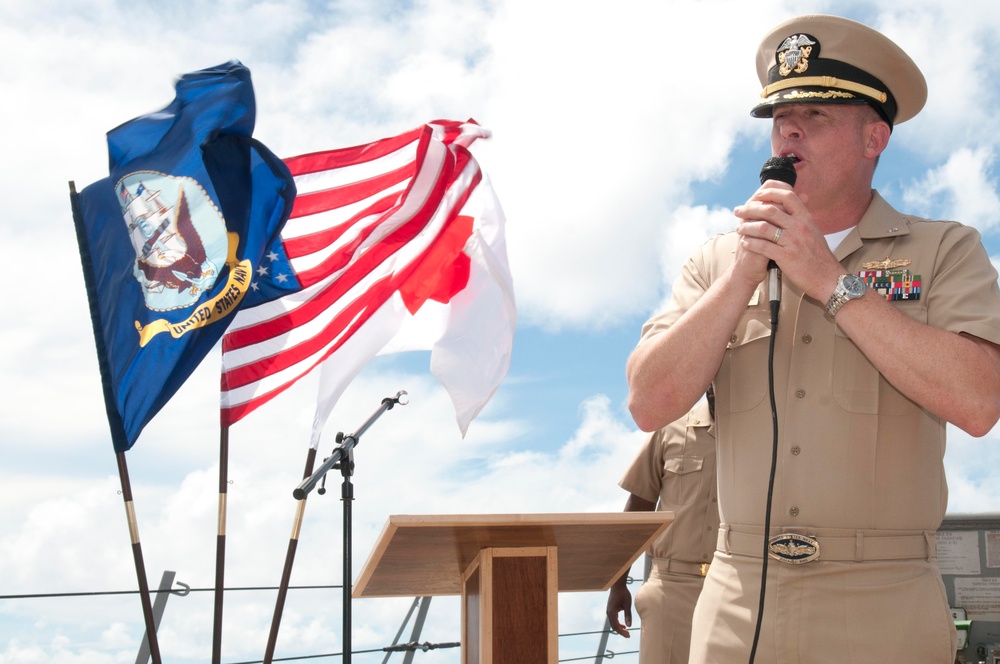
x=854 y=285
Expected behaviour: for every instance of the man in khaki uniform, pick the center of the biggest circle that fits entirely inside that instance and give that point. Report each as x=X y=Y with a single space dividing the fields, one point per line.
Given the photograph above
x=887 y=330
x=673 y=471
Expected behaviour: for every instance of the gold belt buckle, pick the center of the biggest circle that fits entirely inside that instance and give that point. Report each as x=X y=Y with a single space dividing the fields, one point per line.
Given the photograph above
x=704 y=569
x=793 y=548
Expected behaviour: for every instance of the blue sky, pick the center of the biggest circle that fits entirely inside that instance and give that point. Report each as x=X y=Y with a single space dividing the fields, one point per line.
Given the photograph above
x=621 y=140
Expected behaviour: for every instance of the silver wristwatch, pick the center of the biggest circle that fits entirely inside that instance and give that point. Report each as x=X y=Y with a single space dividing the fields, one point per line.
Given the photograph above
x=849 y=287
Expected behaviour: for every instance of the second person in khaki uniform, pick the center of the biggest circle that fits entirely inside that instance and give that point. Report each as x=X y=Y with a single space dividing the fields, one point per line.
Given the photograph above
x=673 y=471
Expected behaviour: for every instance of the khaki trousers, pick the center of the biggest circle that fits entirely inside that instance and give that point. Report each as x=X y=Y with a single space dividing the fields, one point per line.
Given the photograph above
x=824 y=612
x=665 y=603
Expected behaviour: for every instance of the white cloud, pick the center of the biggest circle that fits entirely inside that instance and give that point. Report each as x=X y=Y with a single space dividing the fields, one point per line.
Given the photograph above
x=973 y=478
x=952 y=49
x=689 y=228
x=962 y=189
x=604 y=124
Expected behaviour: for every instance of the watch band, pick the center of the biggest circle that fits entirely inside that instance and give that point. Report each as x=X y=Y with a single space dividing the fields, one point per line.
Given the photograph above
x=836 y=301
x=849 y=287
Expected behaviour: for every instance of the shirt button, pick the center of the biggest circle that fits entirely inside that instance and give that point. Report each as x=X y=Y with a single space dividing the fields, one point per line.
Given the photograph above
x=732 y=339
x=796 y=450
x=800 y=393
x=794 y=511
x=807 y=338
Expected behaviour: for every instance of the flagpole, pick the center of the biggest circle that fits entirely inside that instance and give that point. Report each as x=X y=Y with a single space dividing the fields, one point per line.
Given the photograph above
x=117 y=432
x=140 y=567
x=286 y=573
x=220 y=544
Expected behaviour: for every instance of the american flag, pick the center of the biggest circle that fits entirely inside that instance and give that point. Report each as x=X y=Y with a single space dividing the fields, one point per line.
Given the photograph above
x=393 y=245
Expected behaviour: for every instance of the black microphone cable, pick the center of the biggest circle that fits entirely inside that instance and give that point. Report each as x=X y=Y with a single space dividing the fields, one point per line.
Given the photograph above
x=783 y=169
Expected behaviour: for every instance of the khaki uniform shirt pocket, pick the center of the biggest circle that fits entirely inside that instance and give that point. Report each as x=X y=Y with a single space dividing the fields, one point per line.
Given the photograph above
x=855 y=379
x=858 y=387
x=682 y=478
x=747 y=355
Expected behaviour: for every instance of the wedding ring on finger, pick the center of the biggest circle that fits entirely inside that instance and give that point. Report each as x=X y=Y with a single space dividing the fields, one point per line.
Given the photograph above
x=777 y=235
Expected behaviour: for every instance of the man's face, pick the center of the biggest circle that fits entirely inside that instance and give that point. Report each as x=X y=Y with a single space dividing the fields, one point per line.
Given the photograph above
x=827 y=142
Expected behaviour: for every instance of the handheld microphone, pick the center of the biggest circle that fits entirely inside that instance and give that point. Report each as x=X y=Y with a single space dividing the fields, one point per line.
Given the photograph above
x=778 y=168
x=783 y=170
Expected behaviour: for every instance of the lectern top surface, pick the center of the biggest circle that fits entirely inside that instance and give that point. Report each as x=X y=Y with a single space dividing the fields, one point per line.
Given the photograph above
x=421 y=555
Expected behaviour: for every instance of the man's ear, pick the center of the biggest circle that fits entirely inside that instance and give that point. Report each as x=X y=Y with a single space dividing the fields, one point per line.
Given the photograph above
x=877 y=138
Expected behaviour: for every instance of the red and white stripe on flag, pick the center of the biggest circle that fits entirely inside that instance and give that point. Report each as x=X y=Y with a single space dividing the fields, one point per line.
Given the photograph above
x=398 y=245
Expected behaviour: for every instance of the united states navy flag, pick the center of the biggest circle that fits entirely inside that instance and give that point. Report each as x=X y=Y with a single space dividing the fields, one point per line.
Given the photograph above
x=170 y=239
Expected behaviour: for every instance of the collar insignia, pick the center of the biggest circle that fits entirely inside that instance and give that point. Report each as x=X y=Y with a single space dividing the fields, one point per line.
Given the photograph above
x=793 y=54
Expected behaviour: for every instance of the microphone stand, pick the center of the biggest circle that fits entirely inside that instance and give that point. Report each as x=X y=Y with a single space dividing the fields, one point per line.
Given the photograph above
x=342 y=457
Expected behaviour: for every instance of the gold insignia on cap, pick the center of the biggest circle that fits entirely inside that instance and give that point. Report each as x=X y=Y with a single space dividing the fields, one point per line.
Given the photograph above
x=793 y=54
x=829 y=94
x=886 y=264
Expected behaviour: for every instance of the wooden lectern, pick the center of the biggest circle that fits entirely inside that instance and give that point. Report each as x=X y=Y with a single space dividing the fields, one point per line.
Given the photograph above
x=509 y=569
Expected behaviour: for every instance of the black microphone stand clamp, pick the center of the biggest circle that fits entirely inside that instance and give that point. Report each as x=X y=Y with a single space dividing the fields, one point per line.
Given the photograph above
x=345 y=469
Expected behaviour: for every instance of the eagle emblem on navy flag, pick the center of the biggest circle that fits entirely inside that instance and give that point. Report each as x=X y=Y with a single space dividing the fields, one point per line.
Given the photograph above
x=793 y=54
x=178 y=234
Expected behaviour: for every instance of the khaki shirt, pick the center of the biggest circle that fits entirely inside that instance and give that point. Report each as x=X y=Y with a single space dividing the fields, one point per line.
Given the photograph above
x=853 y=452
x=675 y=469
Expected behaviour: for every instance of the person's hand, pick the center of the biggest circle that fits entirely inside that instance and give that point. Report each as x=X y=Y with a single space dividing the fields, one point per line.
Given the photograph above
x=758 y=226
x=776 y=225
x=620 y=600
